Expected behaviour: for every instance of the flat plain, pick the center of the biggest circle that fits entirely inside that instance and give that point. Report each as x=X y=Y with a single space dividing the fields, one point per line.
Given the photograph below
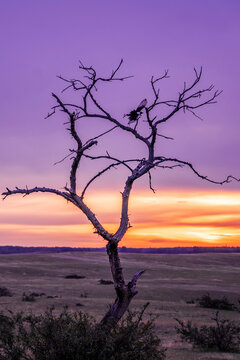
x=170 y=281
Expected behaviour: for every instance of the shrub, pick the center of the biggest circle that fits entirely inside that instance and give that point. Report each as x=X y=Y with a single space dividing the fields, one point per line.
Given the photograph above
x=5 y=292
x=29 y=297
x=36 y=294
x=220 y=304
x=223 y=336
x=74 y=276
x=105 y=282
x=84 y=295
x=75 y=336
x=192 y=301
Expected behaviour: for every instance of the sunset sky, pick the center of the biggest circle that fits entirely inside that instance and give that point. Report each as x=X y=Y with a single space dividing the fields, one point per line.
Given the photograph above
x=42 y=39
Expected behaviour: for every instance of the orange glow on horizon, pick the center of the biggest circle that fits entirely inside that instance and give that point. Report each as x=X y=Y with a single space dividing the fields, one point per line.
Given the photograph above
x=165 y=219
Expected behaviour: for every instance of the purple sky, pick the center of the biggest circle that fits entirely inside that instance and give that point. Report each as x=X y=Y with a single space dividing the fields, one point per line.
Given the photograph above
x=42 y=39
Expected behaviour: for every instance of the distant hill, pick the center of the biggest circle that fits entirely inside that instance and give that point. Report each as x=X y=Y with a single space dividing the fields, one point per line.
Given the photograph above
x=42 y=249
x=123 y=249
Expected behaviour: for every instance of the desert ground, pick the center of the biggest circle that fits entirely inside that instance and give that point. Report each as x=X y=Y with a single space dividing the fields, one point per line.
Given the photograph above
x=168 y=283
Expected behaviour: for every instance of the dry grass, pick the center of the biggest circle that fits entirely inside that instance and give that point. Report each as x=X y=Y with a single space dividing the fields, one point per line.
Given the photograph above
x=170 y=280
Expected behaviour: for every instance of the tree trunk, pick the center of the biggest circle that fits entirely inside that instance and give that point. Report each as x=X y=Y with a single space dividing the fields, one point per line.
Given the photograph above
x=118 y=308
x=124 y=292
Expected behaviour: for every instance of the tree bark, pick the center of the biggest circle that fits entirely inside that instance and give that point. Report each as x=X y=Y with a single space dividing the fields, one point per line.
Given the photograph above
x=124 y=292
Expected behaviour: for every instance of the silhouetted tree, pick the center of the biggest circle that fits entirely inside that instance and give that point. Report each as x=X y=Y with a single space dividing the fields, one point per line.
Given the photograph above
x=190 y=99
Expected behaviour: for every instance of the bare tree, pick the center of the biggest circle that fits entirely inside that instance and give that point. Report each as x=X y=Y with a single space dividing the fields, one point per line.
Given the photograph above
x=190 y=99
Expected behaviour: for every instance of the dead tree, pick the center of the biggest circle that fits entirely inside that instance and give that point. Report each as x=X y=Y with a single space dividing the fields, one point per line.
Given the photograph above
x=190 y=99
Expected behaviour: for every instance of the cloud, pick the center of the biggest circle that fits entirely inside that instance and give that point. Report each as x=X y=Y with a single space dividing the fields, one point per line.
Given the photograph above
x=171 y=218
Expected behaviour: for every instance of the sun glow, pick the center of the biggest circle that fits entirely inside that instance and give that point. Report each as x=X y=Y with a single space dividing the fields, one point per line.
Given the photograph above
x=169 y=218
x=220 y=200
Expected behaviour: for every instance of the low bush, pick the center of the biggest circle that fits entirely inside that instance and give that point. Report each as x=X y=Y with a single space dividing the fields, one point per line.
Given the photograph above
x=5 y=292
x=74 y=276
x=29 y=298
x=84 y=295
x=192 y=301
x=36 y=294
x=223 y=336
x=105 y=282
x=75 y=336
x=219 y=304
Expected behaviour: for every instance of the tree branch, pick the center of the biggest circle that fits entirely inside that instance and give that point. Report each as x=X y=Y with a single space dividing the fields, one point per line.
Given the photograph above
x=188 y=164
x=108 y=157
x=184 y=97
x=156 y=91
x=102 y=134
x=27 y=191
x=150 y=182
x=64 y=158
x=132 y=284
x=104 y=114
x=142 y=168
x=72 y=197
x=99 y=174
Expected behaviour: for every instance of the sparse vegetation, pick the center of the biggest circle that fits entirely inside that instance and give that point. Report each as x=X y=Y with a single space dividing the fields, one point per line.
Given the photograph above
x=36 y=294
x=84 y=295
x=29 y=298
x=45 y=273
x=75 y=336
x=105 y=282
x=74 y=276
x=223 y=336
x=32 y=296
x=5 y=292
x=207 y=301
x=192 y=301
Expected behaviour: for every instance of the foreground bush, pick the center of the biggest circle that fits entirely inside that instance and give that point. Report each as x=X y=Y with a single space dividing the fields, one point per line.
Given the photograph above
x=75 y=336
x=223 y=336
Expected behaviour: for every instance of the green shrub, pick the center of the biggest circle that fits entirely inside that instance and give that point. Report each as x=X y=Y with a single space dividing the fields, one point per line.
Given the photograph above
x=75 y=336
x=223 y=336
x=220 y=304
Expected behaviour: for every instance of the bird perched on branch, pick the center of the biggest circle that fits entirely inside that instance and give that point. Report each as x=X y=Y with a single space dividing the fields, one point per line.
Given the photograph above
x=134 y=115
x=142 y=105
